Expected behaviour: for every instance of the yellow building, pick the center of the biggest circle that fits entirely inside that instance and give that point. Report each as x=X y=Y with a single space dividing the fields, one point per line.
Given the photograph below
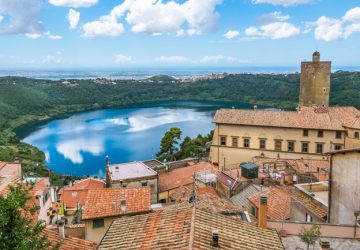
x=306 y=133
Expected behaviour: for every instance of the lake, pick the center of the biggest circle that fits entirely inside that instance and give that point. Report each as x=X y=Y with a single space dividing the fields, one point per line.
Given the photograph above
x=77 y=145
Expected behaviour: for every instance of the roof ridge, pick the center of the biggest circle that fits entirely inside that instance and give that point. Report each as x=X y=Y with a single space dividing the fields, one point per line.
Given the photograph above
x=192 y=228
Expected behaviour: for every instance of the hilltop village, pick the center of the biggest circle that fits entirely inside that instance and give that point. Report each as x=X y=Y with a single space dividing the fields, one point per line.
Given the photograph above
x=272 y=177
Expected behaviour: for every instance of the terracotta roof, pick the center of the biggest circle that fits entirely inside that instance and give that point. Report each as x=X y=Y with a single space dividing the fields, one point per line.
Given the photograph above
x=89 y=183
x=186 y=227
x=70 y=243
x=106 y=202
x=72 y=197
x=279 y=203
x=180 y=176
x=181 y=194
x=2 y=164
x=308 y=202
x=334 y=118
x=77 y=193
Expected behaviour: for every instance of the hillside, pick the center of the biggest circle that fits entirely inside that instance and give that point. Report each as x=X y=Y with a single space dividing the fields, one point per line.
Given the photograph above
x=23 y=100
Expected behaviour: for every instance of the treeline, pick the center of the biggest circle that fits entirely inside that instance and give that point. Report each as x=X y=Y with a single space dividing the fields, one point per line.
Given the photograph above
x=23 y=100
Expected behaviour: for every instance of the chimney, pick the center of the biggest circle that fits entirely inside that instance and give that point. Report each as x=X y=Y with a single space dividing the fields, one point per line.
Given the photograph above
x=61 y=228
x=262 y=220
x=255 y=107
x=325 y=245
x=215 y=238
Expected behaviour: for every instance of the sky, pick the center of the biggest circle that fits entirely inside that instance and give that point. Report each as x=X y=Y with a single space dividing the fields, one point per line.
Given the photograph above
x=55 y=34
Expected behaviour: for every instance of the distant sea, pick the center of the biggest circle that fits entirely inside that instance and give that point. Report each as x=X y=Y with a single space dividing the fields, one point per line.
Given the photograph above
x=142 y=73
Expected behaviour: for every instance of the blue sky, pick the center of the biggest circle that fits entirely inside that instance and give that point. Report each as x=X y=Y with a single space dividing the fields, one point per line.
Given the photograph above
x=137 y=33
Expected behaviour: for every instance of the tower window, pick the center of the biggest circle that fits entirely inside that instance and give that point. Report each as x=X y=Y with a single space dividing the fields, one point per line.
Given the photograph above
x=356 y=135
x=338 y=147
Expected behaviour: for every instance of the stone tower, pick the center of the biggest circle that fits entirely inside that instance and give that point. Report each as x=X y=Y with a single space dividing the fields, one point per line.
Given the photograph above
x=315 y=82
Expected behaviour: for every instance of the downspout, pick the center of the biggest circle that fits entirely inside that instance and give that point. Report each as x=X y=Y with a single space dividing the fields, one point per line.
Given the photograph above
x=218 y=132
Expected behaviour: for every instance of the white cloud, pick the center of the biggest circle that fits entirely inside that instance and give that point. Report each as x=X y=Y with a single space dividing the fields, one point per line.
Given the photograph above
x=122 y=58
x=283 y=2
x=231 y=34
x=52 y=37
x=330 y=29
x=172 y=59
x=353 y=15
x=158 y=17
x=23 y=17
x=74 y=18
x=46 y=34
x=273 y=17
x=73 y=3
x=103 y=27
x=1 y=18
x=277 y=30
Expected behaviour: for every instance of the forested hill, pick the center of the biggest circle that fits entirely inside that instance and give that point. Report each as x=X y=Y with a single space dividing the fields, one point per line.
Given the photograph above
x=28 y=98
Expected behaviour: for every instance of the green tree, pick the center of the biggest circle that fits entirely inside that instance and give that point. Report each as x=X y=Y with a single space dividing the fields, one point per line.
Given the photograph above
x=17 y=230
x=311 y=235
x=168 y=144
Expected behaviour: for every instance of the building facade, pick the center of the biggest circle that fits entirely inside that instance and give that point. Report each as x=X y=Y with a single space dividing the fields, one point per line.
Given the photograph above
x=344 y=196
x=307 y=133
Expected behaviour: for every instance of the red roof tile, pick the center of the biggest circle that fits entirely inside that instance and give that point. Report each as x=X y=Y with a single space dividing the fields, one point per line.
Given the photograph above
x=77 y=193
x=180 y=176
x=334 y=118
x=279 y=203
x=106 y=202
x=69 y=243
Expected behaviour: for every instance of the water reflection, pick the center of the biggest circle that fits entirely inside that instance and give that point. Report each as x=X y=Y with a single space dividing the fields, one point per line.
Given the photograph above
x=77 y=145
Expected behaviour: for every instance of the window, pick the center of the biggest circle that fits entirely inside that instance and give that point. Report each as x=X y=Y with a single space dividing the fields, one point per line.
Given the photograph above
x=246 y=142
x=306 y=132
x=338 y=135
x=253 y=211
x=143 y=184
x=338 y=147
x=234 y=142
x=262 y=144
x=356 y=135
x=98 y=223
x=278 y=145
x=223 y=140
x=291 y=146
x=308 y=218
x=305 y=147
x=319 y=148
x=320 y=134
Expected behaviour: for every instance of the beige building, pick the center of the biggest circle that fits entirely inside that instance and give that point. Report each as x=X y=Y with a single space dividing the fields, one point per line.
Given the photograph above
x=344 y=199
x=306 y=133
x=103 y=205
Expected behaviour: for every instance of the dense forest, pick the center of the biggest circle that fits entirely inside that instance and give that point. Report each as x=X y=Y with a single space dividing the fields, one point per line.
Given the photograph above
x=23 y=100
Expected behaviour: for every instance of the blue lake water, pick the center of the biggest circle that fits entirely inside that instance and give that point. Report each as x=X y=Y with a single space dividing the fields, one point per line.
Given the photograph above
x=77 y=145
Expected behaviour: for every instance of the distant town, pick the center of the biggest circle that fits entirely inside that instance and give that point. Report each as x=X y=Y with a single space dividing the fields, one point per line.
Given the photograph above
x=272 y=179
